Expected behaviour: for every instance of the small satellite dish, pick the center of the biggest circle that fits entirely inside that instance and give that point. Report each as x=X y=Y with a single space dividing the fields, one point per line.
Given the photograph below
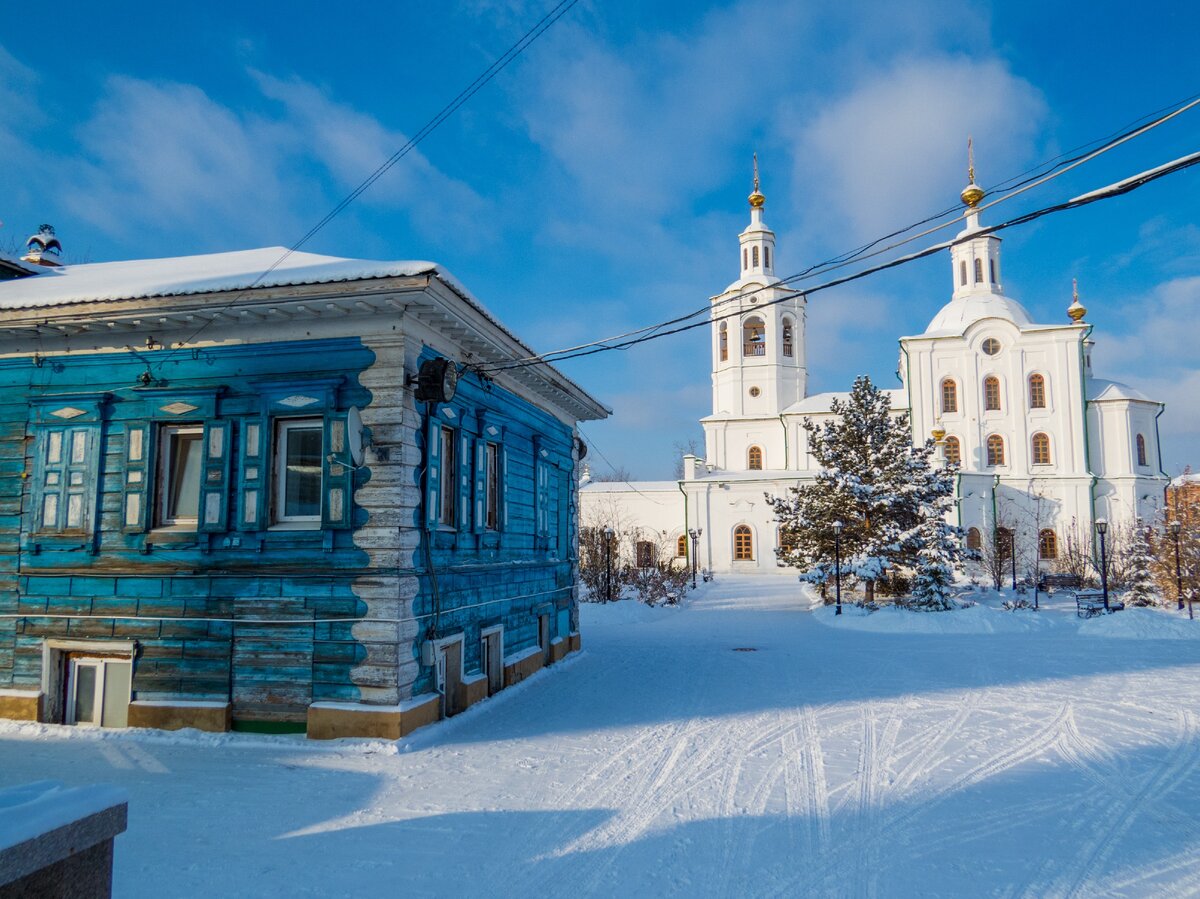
x=354 y=435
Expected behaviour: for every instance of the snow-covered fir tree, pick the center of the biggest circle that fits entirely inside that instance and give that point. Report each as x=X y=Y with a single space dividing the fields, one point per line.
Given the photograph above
x=891 y=501
x=1142 y=589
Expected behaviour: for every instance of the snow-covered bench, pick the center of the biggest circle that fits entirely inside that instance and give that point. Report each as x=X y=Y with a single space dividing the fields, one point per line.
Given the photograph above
x=1051 y=582
x=1090 y=603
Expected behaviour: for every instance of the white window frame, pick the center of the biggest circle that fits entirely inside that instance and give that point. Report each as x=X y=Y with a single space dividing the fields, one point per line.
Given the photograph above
x=162 y=506
x=282 y=427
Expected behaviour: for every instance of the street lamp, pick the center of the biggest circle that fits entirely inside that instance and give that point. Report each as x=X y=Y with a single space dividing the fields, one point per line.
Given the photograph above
x=694 y=533
x=837 y=564
x=1102 y=529
x=608 y=535
x=1174 y=528
x=1012 y=556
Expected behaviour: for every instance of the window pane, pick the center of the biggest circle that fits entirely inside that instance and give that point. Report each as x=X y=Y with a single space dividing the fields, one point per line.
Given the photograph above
x=183 y=500
x=117 y=681
x=85 y=693
x=448 y=485
x=493 y=487
x=302 y=490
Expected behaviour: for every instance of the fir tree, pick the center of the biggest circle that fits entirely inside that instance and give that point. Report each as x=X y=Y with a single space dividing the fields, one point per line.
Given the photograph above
x=1142 y=590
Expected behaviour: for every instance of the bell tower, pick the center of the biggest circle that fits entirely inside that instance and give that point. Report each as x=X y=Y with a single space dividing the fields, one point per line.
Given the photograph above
x=976 y=261
x=758 y=327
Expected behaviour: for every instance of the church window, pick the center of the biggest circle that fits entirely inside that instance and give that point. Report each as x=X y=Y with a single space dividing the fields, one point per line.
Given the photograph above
x=978 y=271
x=962 y=273
x=754 y=341
x=681 y=547
x=766 y=257
x=1037 y=392
x=1141 y=450
x=745 y=259
x=723 y=340
x=995 y=450
x=645 y=551
x=743 y=544
x=992 y=269
x=1041 y=449
x=949 y=395
x=973 y=539
x=1047 y=544
x=1005 y=543
x=991 y=346
x=787 y=338
x=754 y=256
x=754 y=458
x=991 y=393
x=953 y=450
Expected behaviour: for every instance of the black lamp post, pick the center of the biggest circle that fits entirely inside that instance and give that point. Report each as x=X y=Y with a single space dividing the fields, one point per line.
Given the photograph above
x=1102 y=529
x=1012 y=557
x=837 y=564
x=1175 y=527
x=694 y=533
x=608 y=535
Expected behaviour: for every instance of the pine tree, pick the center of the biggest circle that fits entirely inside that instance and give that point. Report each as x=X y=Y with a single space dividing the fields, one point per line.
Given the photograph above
x=889 y=498
x=1142 y=590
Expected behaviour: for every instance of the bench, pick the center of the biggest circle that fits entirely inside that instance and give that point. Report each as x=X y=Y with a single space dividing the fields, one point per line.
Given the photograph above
x=1051 y=582
x=1090 y=603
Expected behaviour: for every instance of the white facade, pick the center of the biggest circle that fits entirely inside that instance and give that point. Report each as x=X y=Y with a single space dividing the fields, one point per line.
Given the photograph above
x=1042 y=444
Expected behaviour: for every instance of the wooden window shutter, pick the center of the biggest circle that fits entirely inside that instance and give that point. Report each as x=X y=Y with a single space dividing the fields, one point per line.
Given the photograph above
x=338 y=475
x=464 y=480
x=503 y=498
x=253 y=486
x=214 y=488
x=135 y=511
x=433 y=469
x=480 y=517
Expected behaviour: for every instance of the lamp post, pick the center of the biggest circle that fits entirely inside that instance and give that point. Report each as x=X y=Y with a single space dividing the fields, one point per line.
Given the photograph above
x=608 y=535
x=837 y=564
x=1012 y=557
x=1174 y=528
x=694 y=533
x=1102 y=529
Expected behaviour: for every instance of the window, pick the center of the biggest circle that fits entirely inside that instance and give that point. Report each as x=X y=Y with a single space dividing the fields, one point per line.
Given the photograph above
x=681 y=547
x=1141 y=450
x=995 y=450
x=949 y=396
x=754 y=342
x=745 y=258
x=723 y=341
x=978 y=271
x=973 y=540
x=1037 y=392
x=991 y=393
x=180 y=462
x=492 y=489
x=785 y=547
x=645 y=554
x=754 y=256
x=1005 y=543
x=766 y=257
x=787 y=338
x=1041 y=449
x=992 y=269
x=991 y=346
x=953 y=451
x=754 y=458
x=743 y=544
x=962 y=273
x=1047 y=544
x=298 y=463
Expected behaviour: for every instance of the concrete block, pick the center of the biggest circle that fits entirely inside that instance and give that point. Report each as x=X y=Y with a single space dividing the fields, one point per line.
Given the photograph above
x=209 y=716
x=331 y=720
x=21 y=705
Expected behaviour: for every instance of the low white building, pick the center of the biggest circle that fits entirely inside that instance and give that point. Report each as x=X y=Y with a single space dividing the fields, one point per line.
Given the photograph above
x=1042 y=444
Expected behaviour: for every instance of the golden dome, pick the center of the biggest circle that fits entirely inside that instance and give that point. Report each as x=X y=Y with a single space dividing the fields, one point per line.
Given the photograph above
x=972 y=194
x=938 y=433
x=1076 y=310
x=756 y=199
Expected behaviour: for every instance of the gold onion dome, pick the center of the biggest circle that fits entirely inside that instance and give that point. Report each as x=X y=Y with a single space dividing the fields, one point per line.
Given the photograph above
x=756 y=199
x=972 y=193
x=1076 y=310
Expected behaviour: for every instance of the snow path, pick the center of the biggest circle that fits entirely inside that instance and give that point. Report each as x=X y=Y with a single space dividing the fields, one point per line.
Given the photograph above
x=1030 y=758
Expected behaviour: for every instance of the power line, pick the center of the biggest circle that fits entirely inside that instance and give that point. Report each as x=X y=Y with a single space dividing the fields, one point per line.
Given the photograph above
x=501 y=63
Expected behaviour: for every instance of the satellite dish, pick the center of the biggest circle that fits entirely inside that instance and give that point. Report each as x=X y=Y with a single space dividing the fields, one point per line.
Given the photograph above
x=354 y=435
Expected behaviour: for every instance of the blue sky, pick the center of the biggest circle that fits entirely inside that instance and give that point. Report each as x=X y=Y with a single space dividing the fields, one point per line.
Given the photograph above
x=599 y=183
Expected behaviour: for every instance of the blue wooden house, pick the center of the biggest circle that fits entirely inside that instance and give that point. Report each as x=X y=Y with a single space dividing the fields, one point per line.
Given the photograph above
x=303 y=493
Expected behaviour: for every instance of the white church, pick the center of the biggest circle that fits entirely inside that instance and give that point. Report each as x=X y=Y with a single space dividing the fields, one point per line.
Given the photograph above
x=1042 y=445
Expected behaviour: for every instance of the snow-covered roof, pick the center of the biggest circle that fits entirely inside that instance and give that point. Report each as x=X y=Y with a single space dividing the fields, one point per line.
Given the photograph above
x=1185 y=479
x=958 y=315
x=629 y=486
x=820 y=402
x=182 y=275
x=1101 y=389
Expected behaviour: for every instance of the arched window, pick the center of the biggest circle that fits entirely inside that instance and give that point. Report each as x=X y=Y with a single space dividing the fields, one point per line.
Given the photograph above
x=681 y=546
x=1037 y=392
x=723 y=339
x=743 y=544
x=645 y=554
x=745 y=259
x=992 y=269
x=1041 y=449
x=785 y=548
x=754 y=458
x=949 y=395
x=1141 y=449
x=962 y=273
x=995 y=450
x=754 y=340
x=953 y=450
x=978 y=271
x=1005 y=543
x=973 y=540
x=766 y=257
x=991 y=393
x=788 y=349
x=754 y=255
x=1047 y=544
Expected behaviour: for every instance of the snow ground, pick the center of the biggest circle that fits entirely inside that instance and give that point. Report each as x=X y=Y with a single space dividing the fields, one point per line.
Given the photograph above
x=1023 y=755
